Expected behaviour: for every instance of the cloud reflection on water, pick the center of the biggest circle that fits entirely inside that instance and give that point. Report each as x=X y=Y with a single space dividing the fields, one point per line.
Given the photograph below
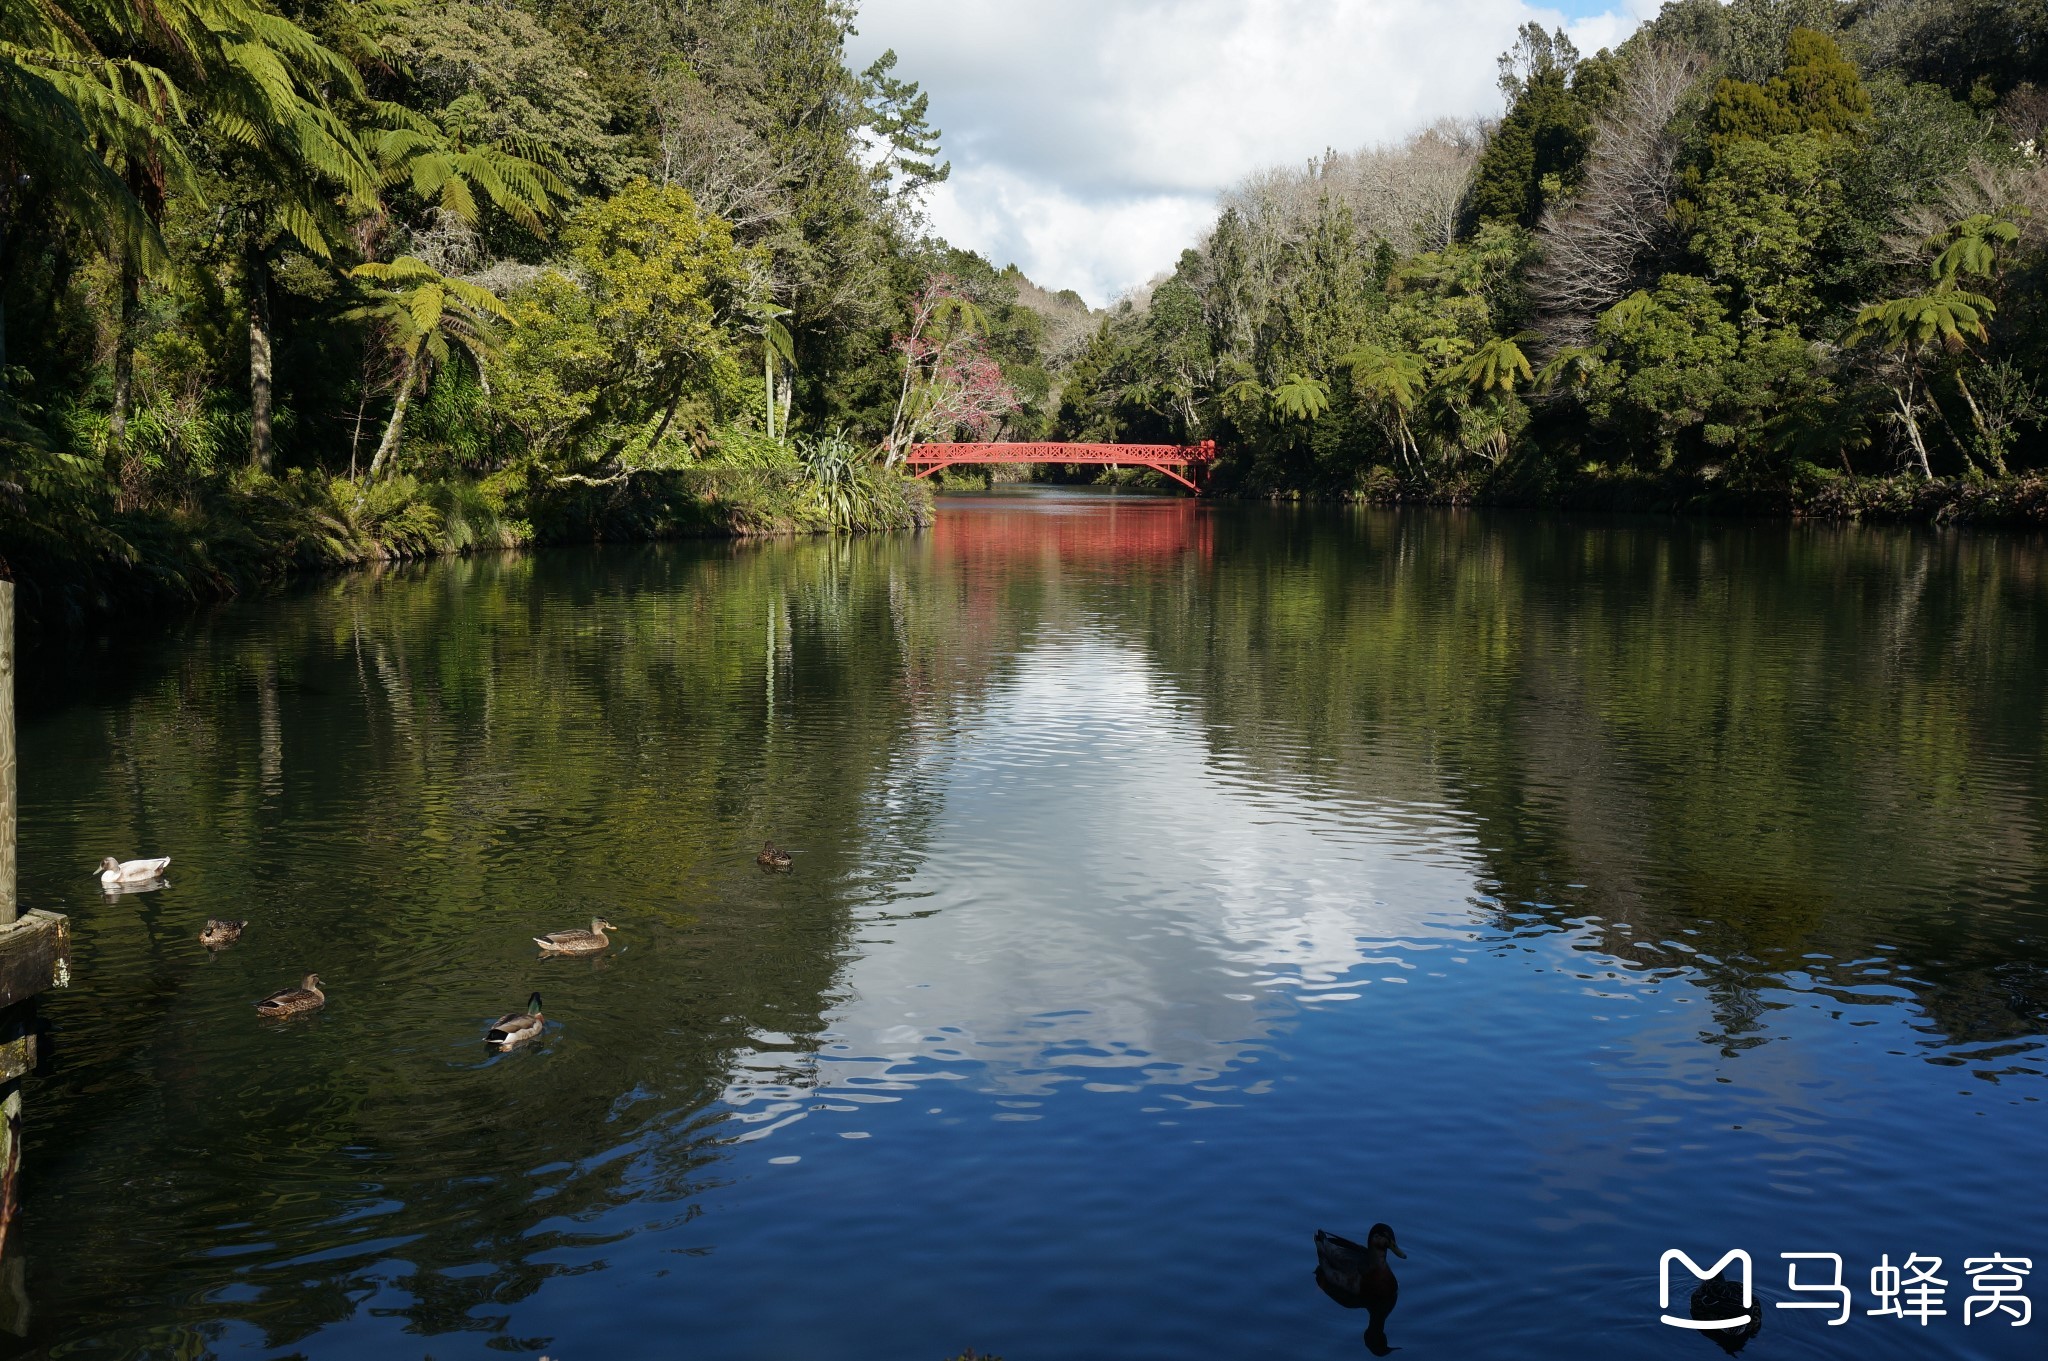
x=1190 y=915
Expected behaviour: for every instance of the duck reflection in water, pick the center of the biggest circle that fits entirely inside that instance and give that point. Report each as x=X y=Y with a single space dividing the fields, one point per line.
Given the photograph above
x=114 y=891
x=1721 y=1298
x=1357 y=1276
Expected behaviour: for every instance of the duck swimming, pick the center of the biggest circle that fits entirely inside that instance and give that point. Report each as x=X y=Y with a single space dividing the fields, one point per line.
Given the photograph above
x=773 y=857
x=1357 y=1276
x=219 y=933
x=114 y=871
x=517 y=1027
x=291 y=1001
x=576 y=942
x=1360 y=1271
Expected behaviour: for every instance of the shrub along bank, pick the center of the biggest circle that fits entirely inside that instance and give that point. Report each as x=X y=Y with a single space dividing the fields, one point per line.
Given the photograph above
x=73 y=556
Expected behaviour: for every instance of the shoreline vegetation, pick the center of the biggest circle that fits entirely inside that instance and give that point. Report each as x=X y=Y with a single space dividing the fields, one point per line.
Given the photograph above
x=287 y=285
x=1764 y=256
x=259 y=532
x=1901 y=498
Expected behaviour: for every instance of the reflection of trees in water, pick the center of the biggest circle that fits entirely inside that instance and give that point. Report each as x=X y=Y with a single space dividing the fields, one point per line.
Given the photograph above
x=1719 y=747
x=1712 y=752
x=398 y=769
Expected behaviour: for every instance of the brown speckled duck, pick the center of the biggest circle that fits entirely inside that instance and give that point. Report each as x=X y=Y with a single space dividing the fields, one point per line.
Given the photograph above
x=576 y=942
x=773 y=857
x=219 y=933
x=292 y=1001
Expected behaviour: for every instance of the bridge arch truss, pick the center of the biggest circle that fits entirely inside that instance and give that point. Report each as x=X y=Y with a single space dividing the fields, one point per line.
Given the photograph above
x=1184 y=463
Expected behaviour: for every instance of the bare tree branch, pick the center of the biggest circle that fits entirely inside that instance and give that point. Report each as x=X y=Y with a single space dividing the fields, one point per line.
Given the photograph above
x=1410 y=195
x=1980 y=188
x=1592 y=244
x=726 y=167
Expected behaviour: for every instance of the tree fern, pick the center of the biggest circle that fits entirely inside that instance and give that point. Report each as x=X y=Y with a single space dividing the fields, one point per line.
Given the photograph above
x=425 y=317
x=67 y=102
x=446 y=163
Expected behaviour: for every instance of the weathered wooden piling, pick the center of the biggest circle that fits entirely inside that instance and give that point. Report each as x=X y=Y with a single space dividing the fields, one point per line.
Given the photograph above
x=35 y=946
x=9 y=906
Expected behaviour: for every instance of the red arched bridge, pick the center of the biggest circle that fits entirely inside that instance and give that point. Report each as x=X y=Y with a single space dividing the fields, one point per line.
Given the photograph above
x=1184 y=463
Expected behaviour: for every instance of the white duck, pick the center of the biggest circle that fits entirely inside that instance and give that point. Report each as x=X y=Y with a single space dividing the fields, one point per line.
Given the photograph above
x=114 y=871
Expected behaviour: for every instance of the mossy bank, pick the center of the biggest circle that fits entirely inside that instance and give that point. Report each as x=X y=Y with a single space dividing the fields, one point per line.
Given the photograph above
x=79 y=556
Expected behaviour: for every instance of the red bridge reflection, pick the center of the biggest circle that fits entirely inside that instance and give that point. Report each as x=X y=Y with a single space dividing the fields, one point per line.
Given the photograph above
x=1094 y=531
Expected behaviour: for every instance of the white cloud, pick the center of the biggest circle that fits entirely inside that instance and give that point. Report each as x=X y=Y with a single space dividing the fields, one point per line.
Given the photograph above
x=1089 y=138
x=1096 y=245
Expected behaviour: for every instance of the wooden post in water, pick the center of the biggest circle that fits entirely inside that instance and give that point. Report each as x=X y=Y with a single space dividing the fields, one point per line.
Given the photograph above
x=35 y=951
x=9 y=907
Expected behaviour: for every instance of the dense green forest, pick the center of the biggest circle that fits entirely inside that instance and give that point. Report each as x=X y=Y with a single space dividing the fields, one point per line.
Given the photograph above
x=1783 y=254
x=290 y=283
x=297 y=283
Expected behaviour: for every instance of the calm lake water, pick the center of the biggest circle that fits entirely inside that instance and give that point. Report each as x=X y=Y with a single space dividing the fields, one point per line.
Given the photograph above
x=1172 y=880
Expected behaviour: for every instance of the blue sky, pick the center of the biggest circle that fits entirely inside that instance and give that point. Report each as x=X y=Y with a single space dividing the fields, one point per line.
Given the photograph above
x=1090 y=138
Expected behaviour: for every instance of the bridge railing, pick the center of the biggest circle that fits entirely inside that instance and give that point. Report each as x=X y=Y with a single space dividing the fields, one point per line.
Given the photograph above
x=1177 y=461
x=1058 y=451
